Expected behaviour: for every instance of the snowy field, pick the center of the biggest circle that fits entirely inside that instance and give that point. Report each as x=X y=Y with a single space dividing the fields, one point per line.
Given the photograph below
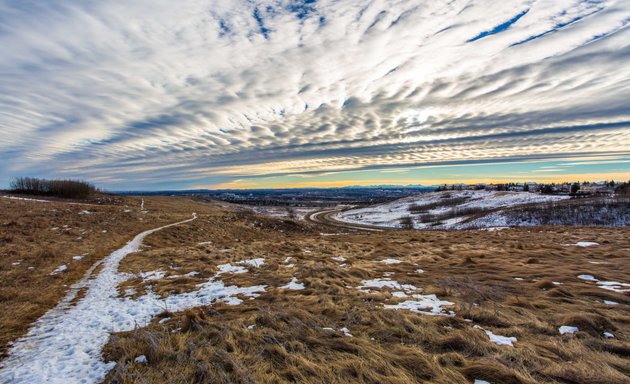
x=429 y=210
x=297 y=213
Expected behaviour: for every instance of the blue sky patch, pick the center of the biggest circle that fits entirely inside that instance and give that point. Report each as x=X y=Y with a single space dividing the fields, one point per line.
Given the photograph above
x=499 y=28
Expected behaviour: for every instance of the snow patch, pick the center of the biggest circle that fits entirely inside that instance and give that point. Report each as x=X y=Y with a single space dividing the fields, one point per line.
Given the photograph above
x=614 y=286
x=253 y=262
x=585 y=244
x=567 y=329
x=391 y=261
x=229 y=268
x=59 y=269
x=152 y=275
x=294 y=285
x=498 y=339
x=25 y=199
x=346 y=332
x=423 y=304
x=387 y=283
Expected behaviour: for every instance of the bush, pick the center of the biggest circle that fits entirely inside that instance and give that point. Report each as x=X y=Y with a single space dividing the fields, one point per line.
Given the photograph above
x=58 y=188
x=607 y=211
x=446 y=201
x=406 y=222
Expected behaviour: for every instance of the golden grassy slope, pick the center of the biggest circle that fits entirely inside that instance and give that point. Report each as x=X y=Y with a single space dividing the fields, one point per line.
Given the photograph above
x=289 y=341
x=295 y=336
x=38 y=237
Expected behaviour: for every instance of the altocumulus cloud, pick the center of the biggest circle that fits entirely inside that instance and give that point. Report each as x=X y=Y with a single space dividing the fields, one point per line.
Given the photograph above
x=207 y=91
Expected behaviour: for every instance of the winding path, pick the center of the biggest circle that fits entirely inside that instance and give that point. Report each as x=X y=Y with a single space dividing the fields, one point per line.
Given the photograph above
x=65 y=344
x=327 y=217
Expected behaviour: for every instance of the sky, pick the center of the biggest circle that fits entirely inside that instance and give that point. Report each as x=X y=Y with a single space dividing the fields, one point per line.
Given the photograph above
x=157 y=94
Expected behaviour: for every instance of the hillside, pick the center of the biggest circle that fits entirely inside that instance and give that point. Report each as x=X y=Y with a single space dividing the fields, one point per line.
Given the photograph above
x=226 y=295
x=443 y=210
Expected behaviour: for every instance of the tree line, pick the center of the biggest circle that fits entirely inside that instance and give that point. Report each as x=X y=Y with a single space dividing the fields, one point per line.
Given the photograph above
x=59 y=188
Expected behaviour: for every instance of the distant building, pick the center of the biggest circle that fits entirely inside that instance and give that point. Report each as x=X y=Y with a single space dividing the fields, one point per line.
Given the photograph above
x=596 y=189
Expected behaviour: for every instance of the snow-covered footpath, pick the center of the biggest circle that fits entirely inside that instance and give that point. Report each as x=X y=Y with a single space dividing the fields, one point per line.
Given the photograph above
x=65 y=344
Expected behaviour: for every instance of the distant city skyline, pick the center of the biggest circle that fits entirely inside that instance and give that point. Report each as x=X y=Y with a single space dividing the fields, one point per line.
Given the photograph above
x=155 y=95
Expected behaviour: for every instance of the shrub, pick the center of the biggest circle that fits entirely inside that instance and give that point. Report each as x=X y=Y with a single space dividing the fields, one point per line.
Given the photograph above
x=406 y=222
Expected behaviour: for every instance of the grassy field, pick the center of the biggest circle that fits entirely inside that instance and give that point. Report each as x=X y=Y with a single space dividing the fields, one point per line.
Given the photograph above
x=335 y=325
x=38 y=237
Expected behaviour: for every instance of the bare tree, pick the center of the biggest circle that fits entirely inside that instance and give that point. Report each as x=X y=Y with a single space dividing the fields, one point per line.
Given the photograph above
x=406 y=222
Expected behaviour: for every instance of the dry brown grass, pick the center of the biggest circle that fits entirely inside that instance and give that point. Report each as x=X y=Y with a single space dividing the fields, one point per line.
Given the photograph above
x=38 y=237
x=474 y=269
x=289 y=341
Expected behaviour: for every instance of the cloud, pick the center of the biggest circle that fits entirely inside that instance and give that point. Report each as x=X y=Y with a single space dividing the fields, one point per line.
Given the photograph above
x=198 y=91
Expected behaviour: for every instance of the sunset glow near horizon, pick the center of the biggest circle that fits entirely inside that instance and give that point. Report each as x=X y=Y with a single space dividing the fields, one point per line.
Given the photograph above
x=150 y=95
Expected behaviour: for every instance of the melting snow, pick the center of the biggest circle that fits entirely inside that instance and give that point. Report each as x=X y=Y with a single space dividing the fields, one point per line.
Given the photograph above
x=387 y=283
x=423 y=304
x=585 y=244
x=142 y=359
x=346 y=332
x=608 y=335
x=59 y=269
x=339 y=258
x=477 y=381
x=152 y=275
x=294 y=285
x=614 y=286
x=566 y=329
x=25 y=199
x=254 y=262
x=498 y=339
x=419 y=270
x=229 y=268
x=65 y=344
x=610 y=302
x=391 y=261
